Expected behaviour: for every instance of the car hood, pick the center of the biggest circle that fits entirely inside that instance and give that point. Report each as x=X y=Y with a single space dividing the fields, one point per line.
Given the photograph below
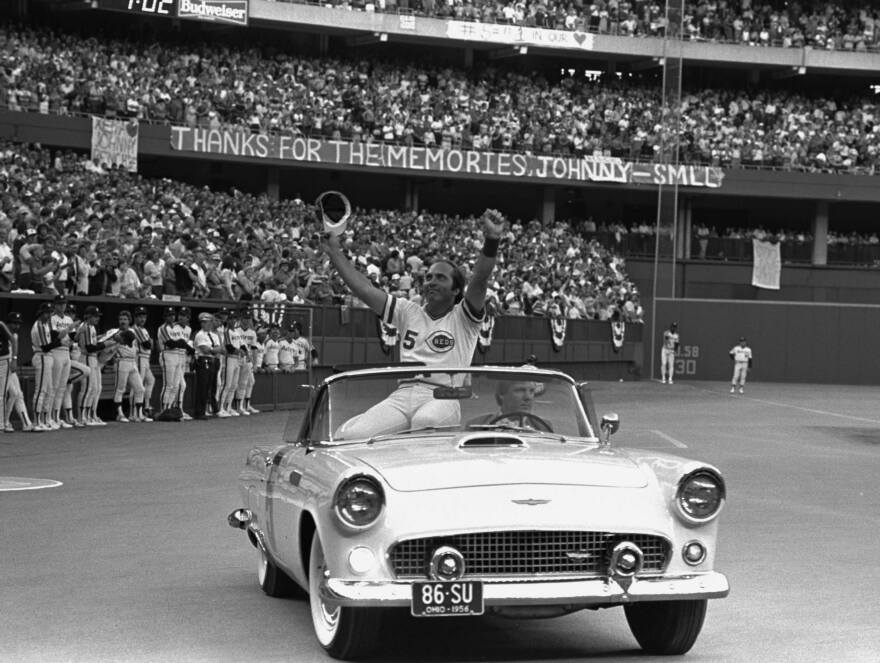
x=441 y=463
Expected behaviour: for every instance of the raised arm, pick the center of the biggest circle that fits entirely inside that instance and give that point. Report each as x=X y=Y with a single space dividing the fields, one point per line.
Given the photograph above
x=359 y=284
x=493 y=227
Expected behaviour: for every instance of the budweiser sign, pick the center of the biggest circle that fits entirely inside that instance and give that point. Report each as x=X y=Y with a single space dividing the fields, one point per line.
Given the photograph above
x=218 y=11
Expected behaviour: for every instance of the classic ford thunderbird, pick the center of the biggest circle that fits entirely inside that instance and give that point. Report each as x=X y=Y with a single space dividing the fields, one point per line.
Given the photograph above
x=477 y=490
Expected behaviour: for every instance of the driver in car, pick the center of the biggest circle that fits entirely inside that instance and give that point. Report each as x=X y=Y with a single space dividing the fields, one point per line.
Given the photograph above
x=515 y=401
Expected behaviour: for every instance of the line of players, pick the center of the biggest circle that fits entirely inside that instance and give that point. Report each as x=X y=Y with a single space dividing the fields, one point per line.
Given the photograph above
x=67 y=351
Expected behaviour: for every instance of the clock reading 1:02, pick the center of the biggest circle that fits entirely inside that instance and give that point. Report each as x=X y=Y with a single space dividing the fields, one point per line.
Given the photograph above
x=151 y=7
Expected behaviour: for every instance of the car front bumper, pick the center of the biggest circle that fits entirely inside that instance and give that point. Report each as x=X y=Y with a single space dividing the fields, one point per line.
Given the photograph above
x=581 y=592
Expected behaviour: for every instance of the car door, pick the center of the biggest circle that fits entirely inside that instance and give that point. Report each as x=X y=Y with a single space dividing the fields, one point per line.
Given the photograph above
x=290 y=487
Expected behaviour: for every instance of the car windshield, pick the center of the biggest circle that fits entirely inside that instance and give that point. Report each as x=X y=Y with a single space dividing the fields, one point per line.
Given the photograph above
x=382 y=405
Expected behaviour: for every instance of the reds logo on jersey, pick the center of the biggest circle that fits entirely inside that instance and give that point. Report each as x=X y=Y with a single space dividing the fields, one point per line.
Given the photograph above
x=440 y=341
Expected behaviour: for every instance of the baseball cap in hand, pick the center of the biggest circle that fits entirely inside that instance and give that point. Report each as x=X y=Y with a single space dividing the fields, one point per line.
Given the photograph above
x=335 y=210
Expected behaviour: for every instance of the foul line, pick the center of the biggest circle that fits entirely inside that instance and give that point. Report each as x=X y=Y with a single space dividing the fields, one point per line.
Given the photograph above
x=671 y=440
x=740 y=397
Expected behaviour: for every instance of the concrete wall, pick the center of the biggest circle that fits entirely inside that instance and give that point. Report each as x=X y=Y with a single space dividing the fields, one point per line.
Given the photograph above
x=791 y=342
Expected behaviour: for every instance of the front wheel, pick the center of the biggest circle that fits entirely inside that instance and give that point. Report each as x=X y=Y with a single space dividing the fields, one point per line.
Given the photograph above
x=345 y=633
x=667 y=628
x=274 y=581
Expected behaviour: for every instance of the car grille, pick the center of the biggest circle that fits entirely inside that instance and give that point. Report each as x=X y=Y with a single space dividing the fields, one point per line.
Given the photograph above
x=528 y=553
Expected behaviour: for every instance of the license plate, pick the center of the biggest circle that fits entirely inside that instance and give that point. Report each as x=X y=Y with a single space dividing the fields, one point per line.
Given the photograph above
x=447 y=599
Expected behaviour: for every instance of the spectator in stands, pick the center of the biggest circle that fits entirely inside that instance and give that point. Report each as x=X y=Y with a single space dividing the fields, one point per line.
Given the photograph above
x=7 y=261
x=721 y=127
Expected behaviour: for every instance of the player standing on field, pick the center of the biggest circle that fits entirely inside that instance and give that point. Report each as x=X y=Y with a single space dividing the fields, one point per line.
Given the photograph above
x=742 y=361
x=145 y=350
x=170 y=342
x=8 y=357
x=307 y=355
x=79 y=370
x=220 y=321
x=62 y=325
x=668 y=352
x=127 y=376
x=14 y=395
x=43 y=341
x=232 y=343
x=87 y=338
x=247 y=365
x=272 y=349
x=187 y=351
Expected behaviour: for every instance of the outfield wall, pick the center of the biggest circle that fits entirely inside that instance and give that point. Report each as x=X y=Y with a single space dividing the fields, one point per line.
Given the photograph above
x=790 y=341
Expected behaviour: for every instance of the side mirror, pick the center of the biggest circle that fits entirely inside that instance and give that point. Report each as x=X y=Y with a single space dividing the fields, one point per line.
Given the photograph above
x=609 y=426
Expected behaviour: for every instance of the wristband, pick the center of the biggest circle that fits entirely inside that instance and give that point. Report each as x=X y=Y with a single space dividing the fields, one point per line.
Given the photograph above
x=490 y=246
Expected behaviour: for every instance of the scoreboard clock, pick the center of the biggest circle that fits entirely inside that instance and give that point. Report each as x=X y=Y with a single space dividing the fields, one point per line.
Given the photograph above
x=148 y=7
x=230 y=12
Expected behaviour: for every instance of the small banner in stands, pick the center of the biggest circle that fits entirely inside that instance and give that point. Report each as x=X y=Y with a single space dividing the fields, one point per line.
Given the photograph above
x=115 y=143
x=519 y=35
x=251 y=146
x=487 y=331
x=618 y=332
x=558 y=326
x=768 y=265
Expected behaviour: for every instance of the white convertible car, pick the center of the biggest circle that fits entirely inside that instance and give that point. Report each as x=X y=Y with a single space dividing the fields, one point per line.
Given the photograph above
x=513 y=503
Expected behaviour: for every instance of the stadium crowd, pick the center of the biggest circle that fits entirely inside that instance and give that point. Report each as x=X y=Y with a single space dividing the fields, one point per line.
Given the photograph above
x=820 y=24
x=68 y=226
x=489 y=108
x=850 y=248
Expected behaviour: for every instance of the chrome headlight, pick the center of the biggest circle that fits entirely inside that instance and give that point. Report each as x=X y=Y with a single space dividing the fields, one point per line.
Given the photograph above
x=700 y=496
x=359 y=501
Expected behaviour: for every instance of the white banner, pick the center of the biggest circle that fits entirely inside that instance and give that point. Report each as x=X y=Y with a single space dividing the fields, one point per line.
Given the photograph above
x=768 y=264
x=499 y=33
x=234 y=12
x=115 y=142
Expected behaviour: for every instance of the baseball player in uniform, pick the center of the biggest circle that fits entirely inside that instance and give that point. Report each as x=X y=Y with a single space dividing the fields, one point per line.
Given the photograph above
x=668 y=352
x=186 y=351
x=62 y=324
x=127 y=375
x=742 y=362
x=232 y=343
x=259 y=353
x=287 y=354
x=8 y=357
x=306 y=355
x=250 y=346
x=220 y=322
x=169 y=339
x=14 y=395
x=79 y=370
x=272 y=349
x=442 y=332
x=87 y=339
x=145 y=351
x=43 y=341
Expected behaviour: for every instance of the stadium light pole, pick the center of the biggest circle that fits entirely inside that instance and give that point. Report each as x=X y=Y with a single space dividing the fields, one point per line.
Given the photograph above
x=670 y=135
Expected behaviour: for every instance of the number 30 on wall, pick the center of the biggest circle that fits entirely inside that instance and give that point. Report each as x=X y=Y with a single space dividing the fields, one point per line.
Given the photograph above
x=686 y=362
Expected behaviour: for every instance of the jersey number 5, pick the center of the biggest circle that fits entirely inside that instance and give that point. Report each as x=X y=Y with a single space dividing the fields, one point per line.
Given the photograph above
x=409 y=339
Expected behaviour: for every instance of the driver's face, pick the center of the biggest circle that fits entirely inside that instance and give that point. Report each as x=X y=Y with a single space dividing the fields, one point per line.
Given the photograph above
x=519 y=397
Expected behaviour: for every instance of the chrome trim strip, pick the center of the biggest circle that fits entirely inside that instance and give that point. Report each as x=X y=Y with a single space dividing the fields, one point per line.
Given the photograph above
x=599 y=591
